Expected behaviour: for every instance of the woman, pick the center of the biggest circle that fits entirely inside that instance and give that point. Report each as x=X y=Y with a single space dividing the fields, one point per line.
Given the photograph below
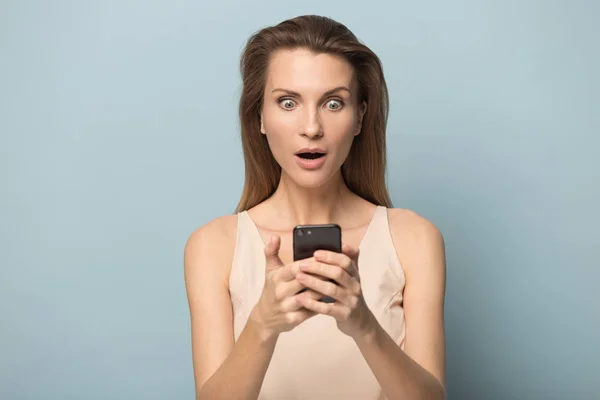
x=313 y=115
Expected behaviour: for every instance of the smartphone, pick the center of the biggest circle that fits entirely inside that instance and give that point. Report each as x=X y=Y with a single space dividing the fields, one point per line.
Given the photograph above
x=310 y=238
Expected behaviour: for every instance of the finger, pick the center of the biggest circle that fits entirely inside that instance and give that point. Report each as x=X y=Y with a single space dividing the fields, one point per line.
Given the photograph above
x=322 y=286
x=338 y=274
x=284 y=290
x=339 y=259
x=272 y=253
x=291 y=303
x=297 y=317
x=288 y=272
x=338 y=311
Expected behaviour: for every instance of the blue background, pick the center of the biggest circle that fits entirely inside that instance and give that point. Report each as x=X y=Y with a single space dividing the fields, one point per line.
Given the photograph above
x=119 y=137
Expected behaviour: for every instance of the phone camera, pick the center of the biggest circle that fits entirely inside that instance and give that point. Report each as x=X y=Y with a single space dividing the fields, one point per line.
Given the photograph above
x=300 y=233
x=308 y=232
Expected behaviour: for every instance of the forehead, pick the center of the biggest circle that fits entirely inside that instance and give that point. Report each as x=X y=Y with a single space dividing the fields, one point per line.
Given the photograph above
x=303 y=70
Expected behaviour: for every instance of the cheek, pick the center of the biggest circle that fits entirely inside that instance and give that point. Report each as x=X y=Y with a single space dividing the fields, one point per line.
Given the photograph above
x=278 y=122
x=341 y=131
x=279 y=132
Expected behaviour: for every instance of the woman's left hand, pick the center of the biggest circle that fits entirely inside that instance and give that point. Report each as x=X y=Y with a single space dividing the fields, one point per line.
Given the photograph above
x=350 y=309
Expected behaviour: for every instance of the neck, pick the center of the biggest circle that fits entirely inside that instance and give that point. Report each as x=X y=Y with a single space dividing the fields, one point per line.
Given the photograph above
x=307 y=206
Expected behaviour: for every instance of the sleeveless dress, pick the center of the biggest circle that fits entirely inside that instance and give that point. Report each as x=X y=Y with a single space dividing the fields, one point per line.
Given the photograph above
x=315 y=360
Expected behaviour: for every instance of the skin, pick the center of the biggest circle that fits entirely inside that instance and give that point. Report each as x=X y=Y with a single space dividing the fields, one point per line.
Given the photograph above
x=299 y=110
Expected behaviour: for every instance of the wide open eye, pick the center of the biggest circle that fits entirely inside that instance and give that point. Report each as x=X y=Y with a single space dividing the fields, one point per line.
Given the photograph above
x=287 y=104
x=334 y=105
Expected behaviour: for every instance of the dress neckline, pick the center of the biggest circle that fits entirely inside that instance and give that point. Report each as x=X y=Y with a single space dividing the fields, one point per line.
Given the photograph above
x=259 y=237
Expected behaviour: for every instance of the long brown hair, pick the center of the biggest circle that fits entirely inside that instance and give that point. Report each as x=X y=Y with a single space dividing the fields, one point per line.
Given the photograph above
x=364 y=169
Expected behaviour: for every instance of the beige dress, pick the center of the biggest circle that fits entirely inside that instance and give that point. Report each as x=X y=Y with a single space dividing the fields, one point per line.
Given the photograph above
x=315 y=360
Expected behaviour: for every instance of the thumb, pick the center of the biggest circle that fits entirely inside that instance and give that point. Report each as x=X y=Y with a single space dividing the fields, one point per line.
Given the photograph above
x=272 y=253
x=351 y=252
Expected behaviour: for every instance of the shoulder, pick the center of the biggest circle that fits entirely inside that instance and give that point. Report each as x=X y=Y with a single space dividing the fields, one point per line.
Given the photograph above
x=209 y=249
x=410 y=225
x=218 y=232
x=419 y=243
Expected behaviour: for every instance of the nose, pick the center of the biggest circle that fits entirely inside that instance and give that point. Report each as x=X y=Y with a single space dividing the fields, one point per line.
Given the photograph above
x=312 y=127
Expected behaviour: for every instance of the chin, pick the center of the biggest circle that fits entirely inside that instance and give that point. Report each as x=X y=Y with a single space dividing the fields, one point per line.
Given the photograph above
x=311 y=179
x=312 y=184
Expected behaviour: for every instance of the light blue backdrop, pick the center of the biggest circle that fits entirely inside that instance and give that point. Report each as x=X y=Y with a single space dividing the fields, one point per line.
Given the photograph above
x=119 y=136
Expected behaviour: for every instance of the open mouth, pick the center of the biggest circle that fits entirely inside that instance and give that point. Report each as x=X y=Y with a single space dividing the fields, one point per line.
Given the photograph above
x=310 y=156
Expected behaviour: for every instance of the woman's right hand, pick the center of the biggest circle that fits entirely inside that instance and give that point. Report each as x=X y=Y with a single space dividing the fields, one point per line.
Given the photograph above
x=277 y=310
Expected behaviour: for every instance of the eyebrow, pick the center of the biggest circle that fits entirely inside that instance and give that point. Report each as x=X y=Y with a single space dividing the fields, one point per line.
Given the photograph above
x=327 y=93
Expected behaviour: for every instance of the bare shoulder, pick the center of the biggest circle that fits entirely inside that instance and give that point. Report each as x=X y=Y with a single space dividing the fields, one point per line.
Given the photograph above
x=417 y=240
x=404 y=222
x=216 y=230
x=209 y=249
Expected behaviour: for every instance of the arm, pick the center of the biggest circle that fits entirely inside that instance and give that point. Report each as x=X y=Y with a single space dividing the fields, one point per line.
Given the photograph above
x=222 y=369
x=418 y=372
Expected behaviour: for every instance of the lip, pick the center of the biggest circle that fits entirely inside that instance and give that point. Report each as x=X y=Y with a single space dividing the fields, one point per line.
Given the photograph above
x=311 y=150
x=310 y=164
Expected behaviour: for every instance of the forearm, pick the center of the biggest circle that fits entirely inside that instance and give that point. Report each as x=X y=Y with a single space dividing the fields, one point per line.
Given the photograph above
x=243 y=371
x=399 y=375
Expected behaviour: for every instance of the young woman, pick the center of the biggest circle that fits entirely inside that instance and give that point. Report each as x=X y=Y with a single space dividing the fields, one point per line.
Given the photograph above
x=313 y=116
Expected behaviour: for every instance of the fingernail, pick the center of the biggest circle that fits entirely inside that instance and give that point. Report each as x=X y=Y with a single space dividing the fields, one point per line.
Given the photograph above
x=303 y=265
x=318 y=253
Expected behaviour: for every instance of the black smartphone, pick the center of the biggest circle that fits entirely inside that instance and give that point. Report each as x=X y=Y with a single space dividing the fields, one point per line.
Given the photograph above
x=310 y=238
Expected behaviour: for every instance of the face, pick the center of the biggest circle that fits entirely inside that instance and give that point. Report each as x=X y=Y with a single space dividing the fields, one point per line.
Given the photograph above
x=310 y=114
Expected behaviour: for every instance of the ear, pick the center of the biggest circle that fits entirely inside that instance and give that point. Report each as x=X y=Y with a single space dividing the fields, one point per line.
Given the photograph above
x=361 y=113
x=262 y=124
